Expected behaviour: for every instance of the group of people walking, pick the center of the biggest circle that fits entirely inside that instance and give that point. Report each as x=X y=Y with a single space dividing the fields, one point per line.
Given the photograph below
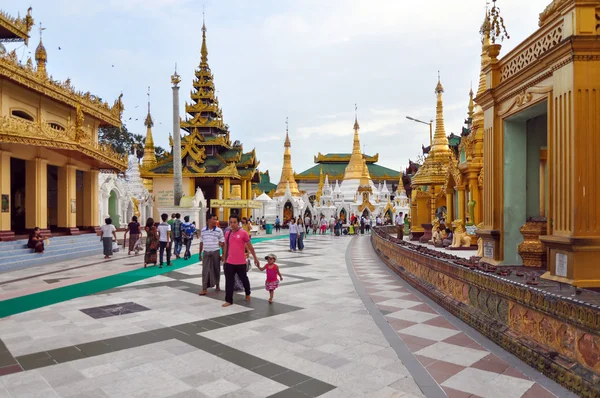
x=232 y=247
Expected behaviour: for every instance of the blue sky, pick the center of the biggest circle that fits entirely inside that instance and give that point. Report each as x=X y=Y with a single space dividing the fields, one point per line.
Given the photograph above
x=307 y=60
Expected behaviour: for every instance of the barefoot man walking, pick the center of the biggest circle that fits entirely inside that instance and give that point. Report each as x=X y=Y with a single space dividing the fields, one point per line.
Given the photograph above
x=211 y=242
x=234 y=255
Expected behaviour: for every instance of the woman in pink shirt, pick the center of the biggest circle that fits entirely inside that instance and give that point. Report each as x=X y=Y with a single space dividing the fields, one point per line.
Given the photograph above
x=234 y=257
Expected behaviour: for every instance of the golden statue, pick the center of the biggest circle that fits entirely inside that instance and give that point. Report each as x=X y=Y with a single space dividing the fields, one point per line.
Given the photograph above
x=480 y=242
x=460 y=237
x=136 y=207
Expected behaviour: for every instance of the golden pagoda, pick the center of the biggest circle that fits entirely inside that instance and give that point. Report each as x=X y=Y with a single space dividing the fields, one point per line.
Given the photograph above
x=49 y=151
x=149 y=159
x=210 y=161
x=354 y=170
x=427 y=183
x=287 y=171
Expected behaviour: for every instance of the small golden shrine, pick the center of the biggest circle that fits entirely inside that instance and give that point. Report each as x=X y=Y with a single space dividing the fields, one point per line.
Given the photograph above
x=49 y=151
x=210 y=160
x=427 y=194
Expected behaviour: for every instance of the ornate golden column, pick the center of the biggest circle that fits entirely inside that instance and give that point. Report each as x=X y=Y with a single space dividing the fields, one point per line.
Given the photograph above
x=449 y=206
x=474 y=189
x=226 y=193
x=90 y=199
x=67 y=199
x=244 y=197
x=36 y=194
x=461 y=203
x=5 y=228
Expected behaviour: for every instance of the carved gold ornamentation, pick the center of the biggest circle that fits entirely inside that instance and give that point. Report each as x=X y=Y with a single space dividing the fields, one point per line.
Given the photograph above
x=550 y=10
x=342 y=158
x=19 y=27
x=532 y=250
x=11 y=69
x=20 y=131
x=532 y=53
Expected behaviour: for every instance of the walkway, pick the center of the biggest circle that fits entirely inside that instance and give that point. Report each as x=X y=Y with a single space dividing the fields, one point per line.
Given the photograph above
x=331 y=332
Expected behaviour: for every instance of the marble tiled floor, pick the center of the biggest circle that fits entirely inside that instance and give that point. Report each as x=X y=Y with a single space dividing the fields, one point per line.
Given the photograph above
x=321 y=337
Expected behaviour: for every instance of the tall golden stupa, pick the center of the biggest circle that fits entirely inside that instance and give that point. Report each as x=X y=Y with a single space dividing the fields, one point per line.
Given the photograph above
x=287 y=171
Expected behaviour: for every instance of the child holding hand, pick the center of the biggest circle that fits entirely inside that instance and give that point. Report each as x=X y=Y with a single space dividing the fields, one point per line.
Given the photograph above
x=272 y=273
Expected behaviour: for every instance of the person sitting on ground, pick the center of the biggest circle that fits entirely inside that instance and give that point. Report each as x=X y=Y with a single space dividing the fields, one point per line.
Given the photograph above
x=36 y=241
x=447 y=241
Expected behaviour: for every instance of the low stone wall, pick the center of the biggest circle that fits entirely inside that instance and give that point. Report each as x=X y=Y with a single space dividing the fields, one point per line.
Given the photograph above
x=559 y=336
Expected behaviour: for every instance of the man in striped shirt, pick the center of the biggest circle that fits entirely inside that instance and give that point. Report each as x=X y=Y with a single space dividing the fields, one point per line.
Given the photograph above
x=211 y=242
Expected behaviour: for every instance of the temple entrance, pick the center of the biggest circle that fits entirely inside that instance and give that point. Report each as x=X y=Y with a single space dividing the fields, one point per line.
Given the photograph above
x=525 y=175
x=288 y=212
x=17 y=195
x=52 y=176
x=113 y=209
x=365 y=213
x=343 y=216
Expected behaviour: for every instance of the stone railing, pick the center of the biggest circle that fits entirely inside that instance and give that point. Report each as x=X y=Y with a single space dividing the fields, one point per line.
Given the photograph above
x=557 y=335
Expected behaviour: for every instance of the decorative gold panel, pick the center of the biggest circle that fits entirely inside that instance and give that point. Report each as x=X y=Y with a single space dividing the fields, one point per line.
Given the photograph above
x=531 y=53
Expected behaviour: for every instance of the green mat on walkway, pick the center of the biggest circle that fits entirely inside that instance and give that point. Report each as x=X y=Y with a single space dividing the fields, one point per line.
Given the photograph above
x=41 y=299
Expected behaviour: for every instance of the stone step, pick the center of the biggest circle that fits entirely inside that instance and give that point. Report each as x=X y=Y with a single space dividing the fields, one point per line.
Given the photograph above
x=54 y=241
x=40 y=259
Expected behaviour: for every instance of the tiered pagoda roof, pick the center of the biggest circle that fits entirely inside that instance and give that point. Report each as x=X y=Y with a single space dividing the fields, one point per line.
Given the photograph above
x=207 y=150
x=265 y=185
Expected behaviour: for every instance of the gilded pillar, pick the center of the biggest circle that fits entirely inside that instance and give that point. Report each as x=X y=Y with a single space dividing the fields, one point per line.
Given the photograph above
x=90 y=199
x=67 y=197
x=244 y=197
x=36 y=193
x=432 y=203
x=5 y=227
x=474 y=189
x=461 y=203
x=449 y=206
x=226 y=193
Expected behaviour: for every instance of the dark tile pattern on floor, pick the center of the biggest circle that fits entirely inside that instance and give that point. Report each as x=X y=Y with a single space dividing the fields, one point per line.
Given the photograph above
x=106 y=311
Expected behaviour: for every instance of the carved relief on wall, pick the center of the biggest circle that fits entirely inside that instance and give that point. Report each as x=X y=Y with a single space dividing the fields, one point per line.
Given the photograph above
x=531 y=53
x=588 y=350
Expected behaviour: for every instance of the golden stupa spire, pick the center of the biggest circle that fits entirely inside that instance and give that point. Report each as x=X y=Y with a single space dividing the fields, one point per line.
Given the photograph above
x=485 y=43
x=41 y=56
x=471 y=104
x=365 y=177
x=203 y=50
x=287 y=171
x=440 y=141
x=321 y=184
x=355 y=166
x=149 y=159
x=433 y=170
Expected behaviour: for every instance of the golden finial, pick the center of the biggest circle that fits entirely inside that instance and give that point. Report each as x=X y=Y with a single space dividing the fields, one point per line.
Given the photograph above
x=439 y=88
x=175 y=78
x=149 y=122
x=41 y=56
x=203 y=50
x=471 y=104
x=356 y=126
x=287 y=137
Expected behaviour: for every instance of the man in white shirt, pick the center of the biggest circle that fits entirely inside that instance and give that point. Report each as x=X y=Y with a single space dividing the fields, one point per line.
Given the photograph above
x=164 y=239
x=212 y=240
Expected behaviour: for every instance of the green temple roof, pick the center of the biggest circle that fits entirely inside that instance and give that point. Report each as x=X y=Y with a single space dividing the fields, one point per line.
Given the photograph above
x=265 y=184
x=337 y=170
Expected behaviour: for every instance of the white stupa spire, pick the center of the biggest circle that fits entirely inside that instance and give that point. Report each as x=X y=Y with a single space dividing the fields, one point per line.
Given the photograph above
x=337 y=189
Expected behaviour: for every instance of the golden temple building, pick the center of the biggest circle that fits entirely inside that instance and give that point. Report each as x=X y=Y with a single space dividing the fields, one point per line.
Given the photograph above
x=428 y=196
x=541 y=123
x=49 y=151
x=210 y=161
